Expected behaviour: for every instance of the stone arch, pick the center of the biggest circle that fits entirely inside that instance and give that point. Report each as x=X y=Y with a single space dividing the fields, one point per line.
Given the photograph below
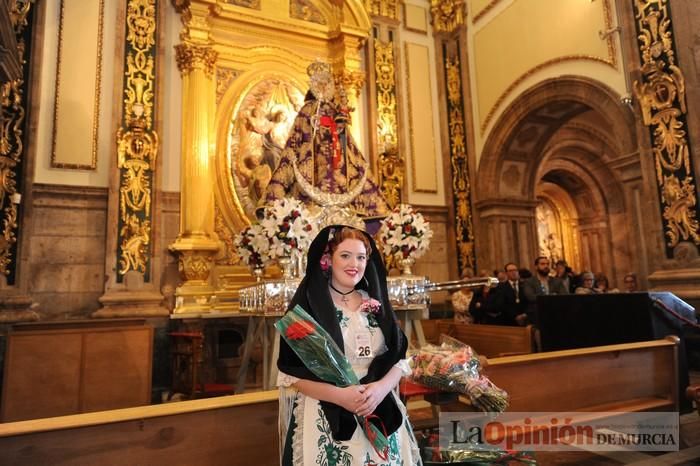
x=565 y=140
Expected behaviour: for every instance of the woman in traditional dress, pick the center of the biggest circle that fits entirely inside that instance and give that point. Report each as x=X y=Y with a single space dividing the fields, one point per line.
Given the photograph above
x=345 y=291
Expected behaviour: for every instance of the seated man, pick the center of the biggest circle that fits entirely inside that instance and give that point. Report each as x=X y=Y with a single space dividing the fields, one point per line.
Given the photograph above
x=539 y=284
x=506 y=301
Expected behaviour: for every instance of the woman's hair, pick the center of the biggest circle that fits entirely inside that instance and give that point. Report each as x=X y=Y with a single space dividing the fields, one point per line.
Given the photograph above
x=348 y=233
x=600 y=278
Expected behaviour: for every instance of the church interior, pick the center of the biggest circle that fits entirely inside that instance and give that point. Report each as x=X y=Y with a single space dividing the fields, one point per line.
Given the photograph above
x=137 y=322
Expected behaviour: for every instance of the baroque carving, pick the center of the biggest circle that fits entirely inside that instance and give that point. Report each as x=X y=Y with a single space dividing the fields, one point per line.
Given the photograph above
x=226 y=236
x=254 y=4
x=391 y=164
x=447 y=15
x=306 y=11
x=385 y=8
x=661 y=96
x=195 y=57
x=461 y=184
x=137 y=142
x=12 y=114
x=224 y=79
x=195 y=266
x=386 y=94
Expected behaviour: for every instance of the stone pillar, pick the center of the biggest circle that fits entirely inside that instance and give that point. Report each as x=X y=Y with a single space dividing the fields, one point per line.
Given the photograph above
x=196 y=244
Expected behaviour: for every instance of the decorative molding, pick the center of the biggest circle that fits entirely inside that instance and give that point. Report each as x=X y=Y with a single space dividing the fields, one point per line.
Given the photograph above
x=461 y=180
x=383 y=8
x=447 y=15
x=55 y=163
x=662 y=99
x=426 y=115
x=224 y=78
x=486 y=9
x=415 y=18
x=607 y=61
x=253 y=4
x=306 y=11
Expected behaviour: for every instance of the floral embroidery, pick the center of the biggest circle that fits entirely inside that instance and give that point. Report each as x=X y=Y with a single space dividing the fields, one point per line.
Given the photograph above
x=372 y=321
x=330 y=452
x=342 y=320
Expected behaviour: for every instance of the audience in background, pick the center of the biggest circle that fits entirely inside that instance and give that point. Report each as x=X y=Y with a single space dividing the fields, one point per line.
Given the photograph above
x=564 y=273
x=478 y=304
x=506 y=300
x=602 y=285
x=587 y=284
x=631 y=285
x=539 y=284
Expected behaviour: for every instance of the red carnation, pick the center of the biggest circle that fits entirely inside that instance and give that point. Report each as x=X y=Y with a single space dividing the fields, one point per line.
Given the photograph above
x=299 y=329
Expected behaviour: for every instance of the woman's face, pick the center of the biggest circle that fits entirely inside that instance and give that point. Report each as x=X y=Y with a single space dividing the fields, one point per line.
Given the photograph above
x=348 y=263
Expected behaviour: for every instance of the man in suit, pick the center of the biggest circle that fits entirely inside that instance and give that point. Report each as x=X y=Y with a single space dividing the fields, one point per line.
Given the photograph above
x=539 y=284
x=506 y=300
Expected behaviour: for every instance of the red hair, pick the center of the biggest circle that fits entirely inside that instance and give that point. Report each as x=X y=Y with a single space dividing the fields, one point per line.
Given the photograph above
x=348 y=233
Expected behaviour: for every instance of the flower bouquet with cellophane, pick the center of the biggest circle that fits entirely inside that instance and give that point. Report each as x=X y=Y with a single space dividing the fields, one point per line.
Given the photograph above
x=322 y=356
x=453 y=366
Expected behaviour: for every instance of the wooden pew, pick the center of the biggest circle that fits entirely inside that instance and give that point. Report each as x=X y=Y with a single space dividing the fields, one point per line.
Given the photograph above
x=229 y=430
x=627 y=377
x=487 y=340
x=242 y=429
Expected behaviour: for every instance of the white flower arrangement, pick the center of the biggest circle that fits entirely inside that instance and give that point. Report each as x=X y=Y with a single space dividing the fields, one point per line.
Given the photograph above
x=253 y=246
x=286 y=225
x=404 y=233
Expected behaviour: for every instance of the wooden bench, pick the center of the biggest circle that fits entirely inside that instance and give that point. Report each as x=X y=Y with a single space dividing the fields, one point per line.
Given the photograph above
x=627 y=377
x=487 y=340
x=242 y=429
x=237 y=429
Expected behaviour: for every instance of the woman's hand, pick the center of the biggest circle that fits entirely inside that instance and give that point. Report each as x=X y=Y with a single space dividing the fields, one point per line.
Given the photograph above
x=373 y=394
x=350 y=398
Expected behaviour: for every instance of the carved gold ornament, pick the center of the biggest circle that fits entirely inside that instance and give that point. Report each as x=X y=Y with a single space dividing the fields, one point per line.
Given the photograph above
x=391 y=164
x=385 y=8
x=191 y=57
x=661 y=95
x=137 y=142
x=305 y=10
x=461 y=186
x=195 y=266
x=447 y=15
x=12 y=114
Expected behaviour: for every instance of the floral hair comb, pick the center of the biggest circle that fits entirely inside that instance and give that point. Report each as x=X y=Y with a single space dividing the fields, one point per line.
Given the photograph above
x=326 y=257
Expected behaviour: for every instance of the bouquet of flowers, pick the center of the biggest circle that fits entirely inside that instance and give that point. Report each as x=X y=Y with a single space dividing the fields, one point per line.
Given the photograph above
x=253 y=246
x=286 y=224
x=454 y=366
x=433 y=455
x=404 y=233
x=321 y=355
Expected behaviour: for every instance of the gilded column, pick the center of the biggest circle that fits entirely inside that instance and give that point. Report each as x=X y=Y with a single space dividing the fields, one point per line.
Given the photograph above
x=447 y=18
x=132 y=287
x=391 y=165
x=196 y=244
x=661 y=96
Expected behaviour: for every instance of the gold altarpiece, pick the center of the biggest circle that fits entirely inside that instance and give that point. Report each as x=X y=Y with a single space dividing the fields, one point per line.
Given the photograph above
x=243 y=65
